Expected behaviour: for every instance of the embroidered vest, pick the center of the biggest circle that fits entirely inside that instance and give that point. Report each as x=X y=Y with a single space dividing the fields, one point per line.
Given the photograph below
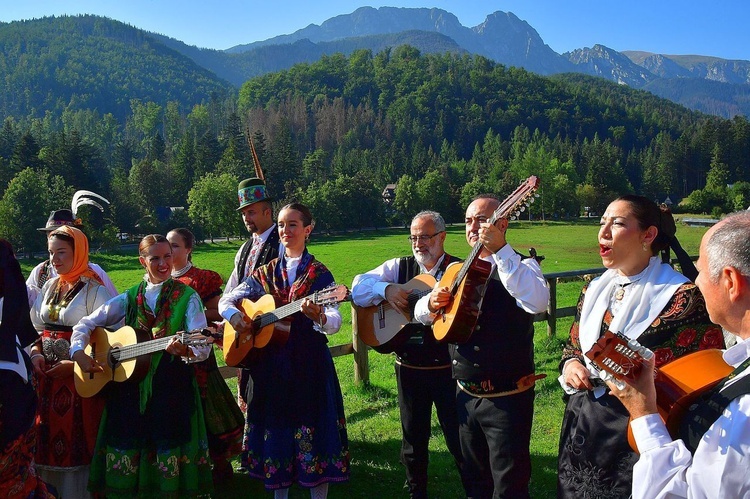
x=420 y=348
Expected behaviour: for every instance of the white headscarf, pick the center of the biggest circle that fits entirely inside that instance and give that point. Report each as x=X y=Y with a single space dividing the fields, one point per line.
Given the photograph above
x=641 y=306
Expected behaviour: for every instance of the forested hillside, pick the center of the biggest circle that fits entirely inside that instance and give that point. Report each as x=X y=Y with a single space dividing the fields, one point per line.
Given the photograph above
x=335 y=132
x=58 y=64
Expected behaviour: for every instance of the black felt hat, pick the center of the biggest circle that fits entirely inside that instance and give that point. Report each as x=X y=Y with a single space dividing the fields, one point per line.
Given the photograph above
x=58 y=218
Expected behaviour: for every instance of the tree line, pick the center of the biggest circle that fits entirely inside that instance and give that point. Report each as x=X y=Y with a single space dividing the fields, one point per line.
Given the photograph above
x=334 y=133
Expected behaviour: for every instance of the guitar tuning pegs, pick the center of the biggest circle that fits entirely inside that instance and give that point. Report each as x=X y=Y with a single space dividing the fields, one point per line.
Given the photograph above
x=531 y=199
x=645 y=353
x=634 y=345
x=522 y=208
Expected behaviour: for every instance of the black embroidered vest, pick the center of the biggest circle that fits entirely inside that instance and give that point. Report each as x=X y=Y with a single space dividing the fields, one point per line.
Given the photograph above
x=420 y=347
x=501 y=348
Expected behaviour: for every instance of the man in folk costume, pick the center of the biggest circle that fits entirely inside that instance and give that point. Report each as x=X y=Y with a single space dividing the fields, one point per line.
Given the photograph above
x=423 y=366
x=257 y=214
x=494 y=367
x=58 y=218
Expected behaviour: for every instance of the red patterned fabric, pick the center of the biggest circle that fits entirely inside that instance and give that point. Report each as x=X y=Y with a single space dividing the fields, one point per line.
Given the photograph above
x=206 y=282
x=67 y=424
x=18 y=477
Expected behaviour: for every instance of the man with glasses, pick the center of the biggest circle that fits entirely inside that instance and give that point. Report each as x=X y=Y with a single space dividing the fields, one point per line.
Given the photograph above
x=494 y=368
x=423 y=370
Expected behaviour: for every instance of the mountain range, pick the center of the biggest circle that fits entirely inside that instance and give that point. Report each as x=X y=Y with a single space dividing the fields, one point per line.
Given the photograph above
x=708 y=84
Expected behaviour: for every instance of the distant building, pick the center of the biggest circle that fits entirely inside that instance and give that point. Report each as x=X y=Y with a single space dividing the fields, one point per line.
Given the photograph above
x=164 y=213
x=389 y=193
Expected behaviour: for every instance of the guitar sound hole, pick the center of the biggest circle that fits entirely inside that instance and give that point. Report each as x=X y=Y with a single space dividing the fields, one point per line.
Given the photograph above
x=114 y=356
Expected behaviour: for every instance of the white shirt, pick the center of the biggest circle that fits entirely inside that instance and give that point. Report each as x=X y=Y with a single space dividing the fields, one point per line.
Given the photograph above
x=369 y=288
x=33 y=288
x=522 y=278
x=112 y=314
x=719 y=468
x=234 y=279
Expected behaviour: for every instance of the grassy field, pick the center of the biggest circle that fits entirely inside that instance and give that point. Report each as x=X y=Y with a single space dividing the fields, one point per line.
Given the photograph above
x=372 y=412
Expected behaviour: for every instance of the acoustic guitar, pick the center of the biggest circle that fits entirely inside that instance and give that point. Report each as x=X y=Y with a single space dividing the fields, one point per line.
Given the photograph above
x=264 y=315
x=124 y=355
x=678 y=383
x=468 y=282
x=380 y=326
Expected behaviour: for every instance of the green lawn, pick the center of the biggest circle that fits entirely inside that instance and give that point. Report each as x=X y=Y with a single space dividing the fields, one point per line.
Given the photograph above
x=372 y=412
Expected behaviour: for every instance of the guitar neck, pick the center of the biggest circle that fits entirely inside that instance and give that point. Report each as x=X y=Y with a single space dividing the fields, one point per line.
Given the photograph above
x=132 y=351
x=510 y=205
x=280 y=313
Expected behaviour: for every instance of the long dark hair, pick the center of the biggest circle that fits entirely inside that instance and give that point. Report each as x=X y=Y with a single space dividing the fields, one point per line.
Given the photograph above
x=648 y=213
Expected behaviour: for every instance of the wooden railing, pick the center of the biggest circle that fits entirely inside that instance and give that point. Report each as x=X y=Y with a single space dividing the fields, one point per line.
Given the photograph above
x=360 y=350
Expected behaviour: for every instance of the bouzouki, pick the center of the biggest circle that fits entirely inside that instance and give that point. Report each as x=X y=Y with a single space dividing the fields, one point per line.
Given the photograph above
x=124 y=355
x=678 y=383
x=467 y=282
x=379 y=325
x=265 y=316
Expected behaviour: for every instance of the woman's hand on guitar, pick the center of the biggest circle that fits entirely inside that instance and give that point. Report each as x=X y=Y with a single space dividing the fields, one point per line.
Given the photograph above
x=61 y=370
x=177 y=348
x=639 y=397
x=241 y=323
x=577 y=375
x=86 y=363
x=313 y=311
x=440 y=297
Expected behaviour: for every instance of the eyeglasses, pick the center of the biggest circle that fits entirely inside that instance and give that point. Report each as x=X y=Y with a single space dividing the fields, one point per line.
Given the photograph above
x=423 y=238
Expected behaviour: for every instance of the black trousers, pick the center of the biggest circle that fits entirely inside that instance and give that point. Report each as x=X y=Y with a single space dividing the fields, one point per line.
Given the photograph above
x=418 y=390
x=495 y=433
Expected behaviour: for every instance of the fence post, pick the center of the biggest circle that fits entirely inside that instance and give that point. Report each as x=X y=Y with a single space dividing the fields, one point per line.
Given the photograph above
x=361 y=358
x=552 y=308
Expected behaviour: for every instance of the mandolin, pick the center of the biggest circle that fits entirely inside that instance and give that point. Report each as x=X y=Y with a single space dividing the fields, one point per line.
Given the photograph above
x=380 y=326
x=264 y=316
x=467 y=282
x=124 y=355
x=678 y=383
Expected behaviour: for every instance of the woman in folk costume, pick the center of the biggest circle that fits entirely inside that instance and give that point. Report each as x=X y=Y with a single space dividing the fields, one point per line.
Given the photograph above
x=18 y=400
x=152 y=438
x=644 y=299
x=45 y=271
x=296 y=424
x=67 y=424
x=224 y=419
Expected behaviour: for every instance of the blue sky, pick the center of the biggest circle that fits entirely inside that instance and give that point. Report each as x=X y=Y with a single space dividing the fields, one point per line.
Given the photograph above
x=716 y=28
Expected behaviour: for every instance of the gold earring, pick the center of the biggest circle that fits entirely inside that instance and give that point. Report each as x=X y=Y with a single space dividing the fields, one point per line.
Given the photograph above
x=644 y=247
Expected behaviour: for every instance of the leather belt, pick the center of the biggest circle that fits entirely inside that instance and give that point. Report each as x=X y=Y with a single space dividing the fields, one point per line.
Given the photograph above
x=522 y=385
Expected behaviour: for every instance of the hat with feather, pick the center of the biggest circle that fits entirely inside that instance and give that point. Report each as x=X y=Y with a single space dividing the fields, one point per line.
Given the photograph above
x=252 y=190
x=58 y=218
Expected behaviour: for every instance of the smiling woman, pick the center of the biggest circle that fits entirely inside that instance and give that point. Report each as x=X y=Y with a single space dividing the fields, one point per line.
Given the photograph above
x=153 y=431
x=295 y=418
